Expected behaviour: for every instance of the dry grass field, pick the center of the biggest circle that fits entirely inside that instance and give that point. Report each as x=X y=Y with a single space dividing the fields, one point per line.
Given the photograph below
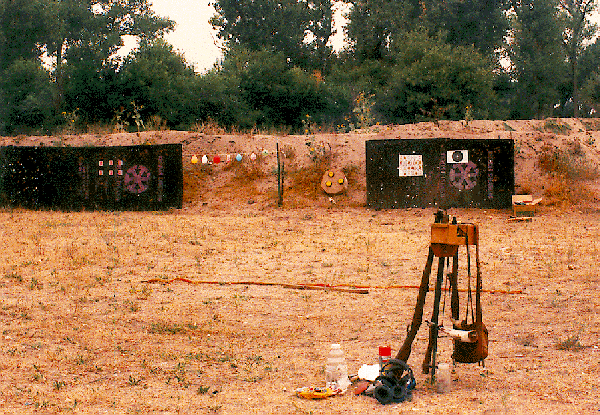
x=92 y=321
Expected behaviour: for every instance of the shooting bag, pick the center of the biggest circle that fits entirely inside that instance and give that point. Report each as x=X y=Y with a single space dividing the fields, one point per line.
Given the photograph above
x=471 y=352
x=477 y=351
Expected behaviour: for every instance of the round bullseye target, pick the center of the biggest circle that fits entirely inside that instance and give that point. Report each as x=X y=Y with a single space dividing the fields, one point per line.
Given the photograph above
x=457 y=156
x=137 y=179
x=334 y=182
x=464 y=176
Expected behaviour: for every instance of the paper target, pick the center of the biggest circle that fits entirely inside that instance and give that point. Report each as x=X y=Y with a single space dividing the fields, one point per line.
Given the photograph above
x=457 y=156
x=137 y=179
x=410 y=165
x=464 y=176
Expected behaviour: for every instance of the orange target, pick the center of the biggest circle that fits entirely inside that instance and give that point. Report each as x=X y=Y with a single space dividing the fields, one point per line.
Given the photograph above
x=334 y=182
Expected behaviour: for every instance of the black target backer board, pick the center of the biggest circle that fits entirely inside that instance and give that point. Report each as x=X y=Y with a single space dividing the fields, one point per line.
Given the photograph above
x=147 y=177
x=440 y=172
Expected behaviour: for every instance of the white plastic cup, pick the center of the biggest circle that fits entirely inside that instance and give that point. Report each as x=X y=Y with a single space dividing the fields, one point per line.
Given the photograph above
x=443 y=378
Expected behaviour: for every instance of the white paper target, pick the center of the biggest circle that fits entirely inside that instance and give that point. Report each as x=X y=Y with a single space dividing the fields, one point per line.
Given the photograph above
x=410 y=165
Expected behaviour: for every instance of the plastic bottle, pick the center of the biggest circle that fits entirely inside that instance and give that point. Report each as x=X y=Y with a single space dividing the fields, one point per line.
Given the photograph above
x=444 y=381
x=336 y=371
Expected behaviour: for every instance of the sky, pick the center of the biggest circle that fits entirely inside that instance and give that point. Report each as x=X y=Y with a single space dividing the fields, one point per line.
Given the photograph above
x=194 y=37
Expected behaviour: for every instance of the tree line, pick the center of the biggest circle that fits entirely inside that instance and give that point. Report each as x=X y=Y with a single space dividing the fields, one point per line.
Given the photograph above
x=405 y=61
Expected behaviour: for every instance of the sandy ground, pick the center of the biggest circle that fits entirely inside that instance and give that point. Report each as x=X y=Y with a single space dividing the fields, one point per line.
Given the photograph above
x=84 y=331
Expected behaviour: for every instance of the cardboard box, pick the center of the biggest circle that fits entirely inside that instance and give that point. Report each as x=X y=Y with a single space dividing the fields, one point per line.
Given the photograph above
x=524 y=205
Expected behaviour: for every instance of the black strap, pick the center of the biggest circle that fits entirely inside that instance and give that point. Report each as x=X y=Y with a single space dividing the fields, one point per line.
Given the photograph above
x=470 y=293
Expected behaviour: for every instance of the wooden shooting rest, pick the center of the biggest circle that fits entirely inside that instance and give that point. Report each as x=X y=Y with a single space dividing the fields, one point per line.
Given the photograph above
x=446 y=238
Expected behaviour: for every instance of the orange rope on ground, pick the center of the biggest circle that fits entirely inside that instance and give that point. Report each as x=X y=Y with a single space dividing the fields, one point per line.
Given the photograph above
x=354 y=289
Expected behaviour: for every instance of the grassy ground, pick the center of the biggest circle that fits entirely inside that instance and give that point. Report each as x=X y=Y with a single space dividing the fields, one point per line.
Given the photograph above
x=83 y=332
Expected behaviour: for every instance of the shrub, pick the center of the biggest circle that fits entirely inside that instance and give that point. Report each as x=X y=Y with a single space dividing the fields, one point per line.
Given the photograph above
x=568 y=164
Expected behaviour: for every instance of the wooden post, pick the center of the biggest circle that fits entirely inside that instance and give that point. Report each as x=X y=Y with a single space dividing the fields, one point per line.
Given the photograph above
x=279 y=179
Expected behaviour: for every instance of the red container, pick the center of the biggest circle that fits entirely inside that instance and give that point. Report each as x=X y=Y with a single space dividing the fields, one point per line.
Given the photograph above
x=385 y=354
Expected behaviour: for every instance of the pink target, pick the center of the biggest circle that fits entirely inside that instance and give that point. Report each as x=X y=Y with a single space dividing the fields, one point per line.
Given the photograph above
x=137 y=179
x=464 y=176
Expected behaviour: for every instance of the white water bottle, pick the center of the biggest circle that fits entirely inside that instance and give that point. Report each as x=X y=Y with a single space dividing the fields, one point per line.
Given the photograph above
x=336 y=371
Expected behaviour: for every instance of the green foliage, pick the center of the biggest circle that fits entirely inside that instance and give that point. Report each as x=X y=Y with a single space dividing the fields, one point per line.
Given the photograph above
x=577 y=31
x=262 y=89
x=432 y=80
x=280 y=26
x=89 y=84
x=590 y=92
x=279 y=95
x=481 y=24
x=407 y=61
x=375 y=24
x=589 y=77
x=83 y=39
x=155 y=80
x=538 y=58
x=26 y=91
x=22 y=30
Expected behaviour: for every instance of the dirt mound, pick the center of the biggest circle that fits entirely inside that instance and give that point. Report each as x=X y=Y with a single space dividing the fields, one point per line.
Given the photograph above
x=555 y=159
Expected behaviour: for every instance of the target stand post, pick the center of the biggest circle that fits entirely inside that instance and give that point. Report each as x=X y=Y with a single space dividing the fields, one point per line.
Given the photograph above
x=446 y=237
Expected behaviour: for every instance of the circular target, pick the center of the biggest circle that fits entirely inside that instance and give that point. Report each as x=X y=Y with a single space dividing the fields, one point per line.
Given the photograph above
x=137 y=179
x=457 y=156
x=464 y=176
x=334 y=182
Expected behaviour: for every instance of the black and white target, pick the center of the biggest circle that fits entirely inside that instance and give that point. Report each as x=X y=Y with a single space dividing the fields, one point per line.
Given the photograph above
x=464 y=176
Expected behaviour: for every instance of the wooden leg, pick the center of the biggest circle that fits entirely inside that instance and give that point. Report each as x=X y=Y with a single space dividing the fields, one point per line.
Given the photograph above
x=404 y=352
x=454 y=301
x=429 y=361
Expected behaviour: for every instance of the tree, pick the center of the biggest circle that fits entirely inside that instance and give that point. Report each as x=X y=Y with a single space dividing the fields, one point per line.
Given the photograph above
x=26 y=91
x=95 y=29
x=372 y=24
x=434 y=80
x=22 y=30
x=589 y=77
x=278 y=94
x=577 y=30
x=157 y=81
x=89 y=85
x=298 y=29
x=538 y=60
x=481 y=24
x=375 y=23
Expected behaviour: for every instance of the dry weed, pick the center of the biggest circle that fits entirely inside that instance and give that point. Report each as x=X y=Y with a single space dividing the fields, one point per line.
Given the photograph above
x=556 y=127
x=561 y=191
x=592 y=124
x=570 y=343
x=568 y=169
x=194 y=180
x=209 y=127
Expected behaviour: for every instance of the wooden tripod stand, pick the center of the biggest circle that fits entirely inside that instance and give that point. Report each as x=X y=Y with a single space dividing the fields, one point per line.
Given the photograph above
x=446 y=237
